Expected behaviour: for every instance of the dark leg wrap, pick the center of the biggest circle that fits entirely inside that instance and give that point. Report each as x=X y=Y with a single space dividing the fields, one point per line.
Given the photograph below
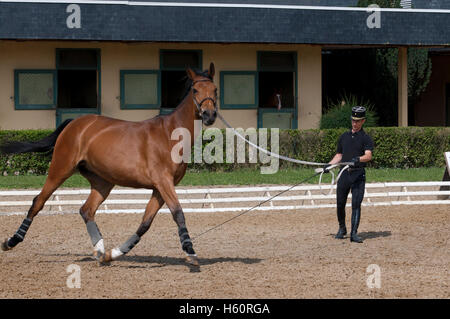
x=185 y=240
x=130 y=243
x=93 y=232
x=20 y=233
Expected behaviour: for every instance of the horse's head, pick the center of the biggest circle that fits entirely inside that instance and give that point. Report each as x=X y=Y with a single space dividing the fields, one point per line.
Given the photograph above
x=276 y=98
x=204 y=94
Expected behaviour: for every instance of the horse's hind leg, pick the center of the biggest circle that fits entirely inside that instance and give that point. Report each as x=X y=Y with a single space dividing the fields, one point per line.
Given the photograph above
x=58 y=173
x=152 y=208
x=100 y=190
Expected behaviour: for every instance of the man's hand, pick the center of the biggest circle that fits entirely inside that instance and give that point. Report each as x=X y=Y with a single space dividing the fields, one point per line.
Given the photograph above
x=326 y=168
x=354 y=162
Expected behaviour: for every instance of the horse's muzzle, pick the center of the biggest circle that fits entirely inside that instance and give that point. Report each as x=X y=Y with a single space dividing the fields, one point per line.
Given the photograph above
x=209 y=117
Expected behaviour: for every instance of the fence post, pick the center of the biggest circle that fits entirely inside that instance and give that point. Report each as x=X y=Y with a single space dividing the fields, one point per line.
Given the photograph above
x=445 y=178
x=268 y=195
x=207 y=196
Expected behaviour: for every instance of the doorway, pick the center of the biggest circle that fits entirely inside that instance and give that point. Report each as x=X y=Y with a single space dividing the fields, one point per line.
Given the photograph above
x=173 y=75
x=277 y=83
x=78 y=83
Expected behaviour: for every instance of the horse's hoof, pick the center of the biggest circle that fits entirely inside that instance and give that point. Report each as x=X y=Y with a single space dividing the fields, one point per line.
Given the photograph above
x=104 y=259
x=5 y=246
x=97 y=255
x=192 y=260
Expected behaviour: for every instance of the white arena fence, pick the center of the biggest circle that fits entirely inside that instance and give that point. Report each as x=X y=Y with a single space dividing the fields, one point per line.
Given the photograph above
x=232 y=199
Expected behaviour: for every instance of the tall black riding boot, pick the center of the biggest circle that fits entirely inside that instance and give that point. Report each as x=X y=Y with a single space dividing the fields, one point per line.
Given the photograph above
x=341 y=219
x=356 y=215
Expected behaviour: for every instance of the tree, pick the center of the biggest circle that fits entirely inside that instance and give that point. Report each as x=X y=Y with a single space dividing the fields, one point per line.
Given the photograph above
x=386 y=59
x=380 y=3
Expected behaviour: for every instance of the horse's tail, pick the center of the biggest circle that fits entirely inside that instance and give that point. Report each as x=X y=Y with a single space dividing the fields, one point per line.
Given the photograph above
x=44 y=145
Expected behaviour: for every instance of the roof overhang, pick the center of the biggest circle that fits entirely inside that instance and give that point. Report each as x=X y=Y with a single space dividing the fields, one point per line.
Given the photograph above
x=223 y=23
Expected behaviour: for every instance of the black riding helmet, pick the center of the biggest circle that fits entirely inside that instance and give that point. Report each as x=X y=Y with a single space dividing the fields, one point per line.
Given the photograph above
x=358 y=112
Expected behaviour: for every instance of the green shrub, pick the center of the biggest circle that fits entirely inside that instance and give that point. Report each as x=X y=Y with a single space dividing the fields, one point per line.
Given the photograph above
x=24 y=164
x=338 y=113
x=395 y=147
x=409 y=147
x=380 y=3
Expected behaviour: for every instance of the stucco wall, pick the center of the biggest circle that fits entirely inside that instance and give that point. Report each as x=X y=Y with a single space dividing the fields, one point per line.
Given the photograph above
x=117 y=55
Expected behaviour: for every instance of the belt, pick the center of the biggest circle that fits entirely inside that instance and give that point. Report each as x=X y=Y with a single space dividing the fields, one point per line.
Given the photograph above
x=354 y=169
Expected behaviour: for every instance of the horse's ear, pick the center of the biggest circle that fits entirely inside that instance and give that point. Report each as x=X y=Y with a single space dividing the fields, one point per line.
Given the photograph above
x=211 y=70
x=190 y=73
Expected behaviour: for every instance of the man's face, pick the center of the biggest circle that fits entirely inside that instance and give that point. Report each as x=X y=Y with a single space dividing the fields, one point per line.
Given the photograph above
x=357 y=124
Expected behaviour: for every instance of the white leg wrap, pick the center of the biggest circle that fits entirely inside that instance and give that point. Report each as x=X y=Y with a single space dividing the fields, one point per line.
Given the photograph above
x=100 y=247
x=190 y=255
x=116 y=253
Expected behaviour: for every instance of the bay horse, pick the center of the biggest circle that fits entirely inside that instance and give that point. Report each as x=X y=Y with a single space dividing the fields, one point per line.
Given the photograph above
x=274 y=99
x=109 y=152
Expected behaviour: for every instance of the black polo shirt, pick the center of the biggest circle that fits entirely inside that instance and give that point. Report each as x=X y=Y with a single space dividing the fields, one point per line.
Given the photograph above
x=352 y=145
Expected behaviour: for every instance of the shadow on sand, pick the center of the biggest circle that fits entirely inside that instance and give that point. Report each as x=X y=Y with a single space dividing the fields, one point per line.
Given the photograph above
x=374 y=234
x=136 y=261
x=368 y=234
x=162 y=261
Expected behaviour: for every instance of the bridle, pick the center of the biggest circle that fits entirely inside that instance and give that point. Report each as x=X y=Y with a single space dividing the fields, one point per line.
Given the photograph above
x=199 y=104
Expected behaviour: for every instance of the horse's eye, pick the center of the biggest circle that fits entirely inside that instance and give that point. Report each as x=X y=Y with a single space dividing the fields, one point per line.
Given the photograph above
x=195 y=91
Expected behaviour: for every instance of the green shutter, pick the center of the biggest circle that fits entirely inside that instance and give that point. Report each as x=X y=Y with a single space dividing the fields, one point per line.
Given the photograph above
x=139 y=89
x=238 y=89
x=34 y=89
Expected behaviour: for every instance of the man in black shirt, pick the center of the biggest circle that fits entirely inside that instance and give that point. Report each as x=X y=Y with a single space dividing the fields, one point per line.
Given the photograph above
x=356 y=147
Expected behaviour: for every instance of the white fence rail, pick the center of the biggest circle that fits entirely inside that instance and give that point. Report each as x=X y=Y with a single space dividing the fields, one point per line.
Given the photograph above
x=233 y=199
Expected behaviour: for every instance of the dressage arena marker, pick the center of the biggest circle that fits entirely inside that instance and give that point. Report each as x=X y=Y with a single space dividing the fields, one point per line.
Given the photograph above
x=447 y=160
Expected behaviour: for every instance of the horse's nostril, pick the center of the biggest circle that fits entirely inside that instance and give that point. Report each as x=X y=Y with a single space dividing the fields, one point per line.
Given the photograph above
x=214 y=113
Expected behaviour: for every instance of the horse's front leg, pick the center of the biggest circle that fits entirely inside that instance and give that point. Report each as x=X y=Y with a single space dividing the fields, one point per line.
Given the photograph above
x=185 y=240
x=152 y=208
x=170 y=197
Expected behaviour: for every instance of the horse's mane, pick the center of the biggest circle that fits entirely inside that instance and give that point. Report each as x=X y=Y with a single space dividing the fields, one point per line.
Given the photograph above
x=188 y=84
x=204 y=74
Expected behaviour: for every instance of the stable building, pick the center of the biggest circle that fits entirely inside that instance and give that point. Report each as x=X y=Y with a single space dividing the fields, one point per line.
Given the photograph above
x=124 y=59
